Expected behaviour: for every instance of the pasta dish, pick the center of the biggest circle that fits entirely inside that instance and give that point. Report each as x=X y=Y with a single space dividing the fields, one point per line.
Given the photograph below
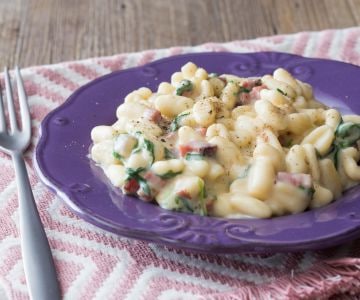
x=226 y=146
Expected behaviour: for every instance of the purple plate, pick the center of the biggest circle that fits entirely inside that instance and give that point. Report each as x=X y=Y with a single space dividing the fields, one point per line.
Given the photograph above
x=63 y=163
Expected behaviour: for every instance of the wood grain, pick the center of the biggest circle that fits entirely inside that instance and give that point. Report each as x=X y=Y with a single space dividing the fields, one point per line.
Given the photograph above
x=34 y=32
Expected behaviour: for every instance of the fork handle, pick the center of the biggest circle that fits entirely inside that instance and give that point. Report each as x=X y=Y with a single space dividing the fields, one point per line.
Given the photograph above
x=38 y=262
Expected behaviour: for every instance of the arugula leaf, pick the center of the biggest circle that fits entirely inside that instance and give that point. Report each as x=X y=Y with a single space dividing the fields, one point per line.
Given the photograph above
x=169 y=175
x=281 y=92
x=202 y=196
x=183 y=202
x=193 y=156
x=184 y=86
x=118 y=156
x=168 y=154
x=121 y=141
x=137 y=147
x=149 y=146
x=342 y=129
x=175 y=123
x=188 y=205
x=244 y=90
x=144 y=144
x=144 y=186
x=334 y=154
x=258 y=82
x=133 y=173
x=309 y=191
x=346 y=135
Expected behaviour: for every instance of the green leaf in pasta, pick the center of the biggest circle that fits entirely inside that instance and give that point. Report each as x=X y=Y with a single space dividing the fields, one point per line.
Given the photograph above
x=133 y=173
x=202 y=196
x=193 y=156
x=144 y=144
x=175 y=124
x=281 y=92
x=184 y=204
x=258 y=82
x=346 y=135
x=169 y=154
x=149 y=146
x=309 y=191
x=138 y=147
x=184 y=86
x=169 y=175
x=244 y=90
x=334 y=154
x=144 y=186
x=118 y=156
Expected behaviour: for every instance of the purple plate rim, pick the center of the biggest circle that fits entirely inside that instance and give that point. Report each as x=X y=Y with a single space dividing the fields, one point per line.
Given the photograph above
x=251 y=245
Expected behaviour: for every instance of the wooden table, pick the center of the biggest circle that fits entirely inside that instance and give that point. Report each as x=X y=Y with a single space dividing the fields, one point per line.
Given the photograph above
x=34 y=32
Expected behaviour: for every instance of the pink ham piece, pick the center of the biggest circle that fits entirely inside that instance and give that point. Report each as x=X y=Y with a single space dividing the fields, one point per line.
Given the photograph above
x=255 y=92
x=203 y=148
x=152 y=115
x=154 y=182
x=184 y=194
x=248 y=98
x=251 y=83
x=297 y=179
x=130 y=187
x=201 y=130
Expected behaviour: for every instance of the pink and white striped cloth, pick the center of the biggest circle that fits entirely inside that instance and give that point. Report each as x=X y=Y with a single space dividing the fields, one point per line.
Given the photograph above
x=93 y=264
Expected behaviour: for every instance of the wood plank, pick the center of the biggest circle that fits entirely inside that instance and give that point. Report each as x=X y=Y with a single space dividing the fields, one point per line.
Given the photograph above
x=34 y=32
x=9 y=31
x=354 y=6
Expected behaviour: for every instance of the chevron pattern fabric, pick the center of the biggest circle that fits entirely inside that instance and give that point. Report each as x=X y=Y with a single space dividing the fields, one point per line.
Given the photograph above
x=94 y=264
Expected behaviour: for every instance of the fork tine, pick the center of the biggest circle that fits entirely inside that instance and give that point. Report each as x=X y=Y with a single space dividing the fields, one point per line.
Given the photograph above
x=2 y=114
x=24 y=107
x=10 y=102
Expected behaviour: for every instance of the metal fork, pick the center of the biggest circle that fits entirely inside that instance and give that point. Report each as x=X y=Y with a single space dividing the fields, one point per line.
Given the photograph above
x=38 y=262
